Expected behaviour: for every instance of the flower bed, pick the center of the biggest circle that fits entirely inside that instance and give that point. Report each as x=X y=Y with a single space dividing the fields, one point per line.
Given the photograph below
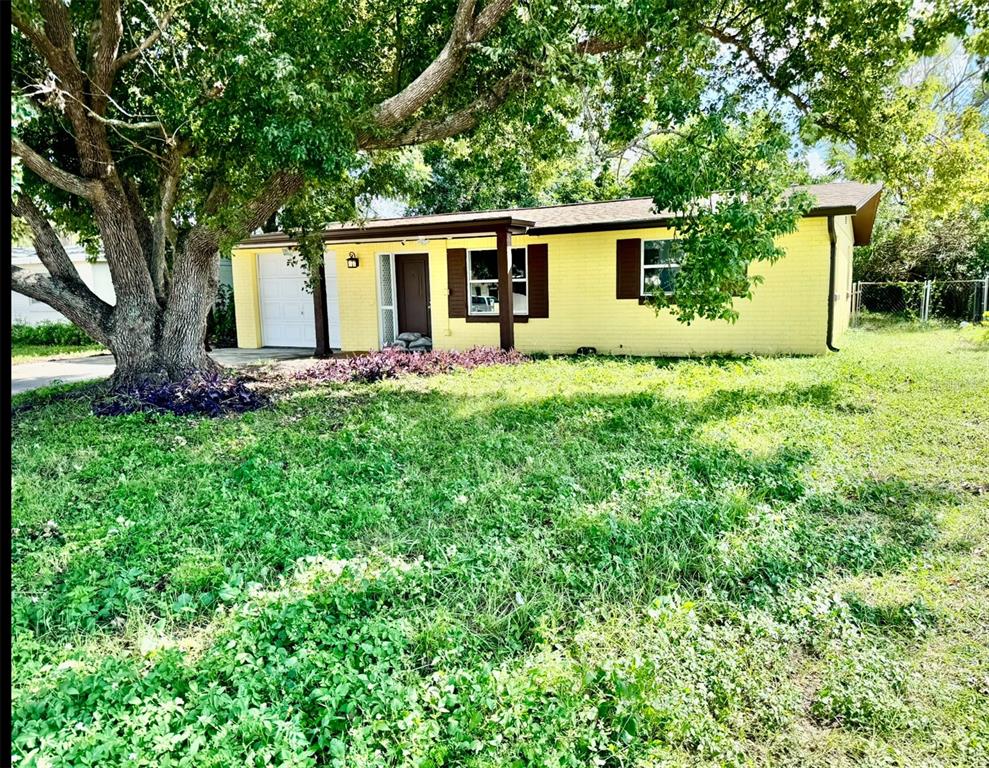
x=196 y=395
x=392 y=363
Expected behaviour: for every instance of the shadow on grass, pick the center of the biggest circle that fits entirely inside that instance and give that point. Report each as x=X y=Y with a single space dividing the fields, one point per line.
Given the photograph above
x=513 y=525
x=561 y=503
x=900 y=323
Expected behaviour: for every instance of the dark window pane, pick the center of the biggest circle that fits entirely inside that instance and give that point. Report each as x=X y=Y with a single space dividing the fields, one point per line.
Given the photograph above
x=653 y=252
x=660 y=252
x=518 y=263
x=483 y=265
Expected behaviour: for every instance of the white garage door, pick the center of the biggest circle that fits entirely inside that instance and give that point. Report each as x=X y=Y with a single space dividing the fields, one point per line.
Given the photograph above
x=286 y=306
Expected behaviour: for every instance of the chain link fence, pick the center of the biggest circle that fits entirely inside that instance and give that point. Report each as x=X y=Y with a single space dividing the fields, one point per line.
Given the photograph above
x=920 y=300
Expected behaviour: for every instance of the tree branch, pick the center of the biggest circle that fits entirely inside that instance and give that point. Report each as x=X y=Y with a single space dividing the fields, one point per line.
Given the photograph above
x=595 y=46
x=468 y=117
x=89 y=312
x=772 y=78
x=57 y=46
x=160 y=26
x=466 y=31
x=57 y=57
x=163 y=219
x=142 y=226
x=278 y=190
x=488 y=18
x=199 y=250
x=456 y=123
x=140 y=125
x=68 y=182
x=47 y=244
x=110 y=29
x=761 y=65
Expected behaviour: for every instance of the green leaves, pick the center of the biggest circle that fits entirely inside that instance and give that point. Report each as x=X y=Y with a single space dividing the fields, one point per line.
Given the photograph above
x=728 y=180
x=255 y=88
x=930 y=147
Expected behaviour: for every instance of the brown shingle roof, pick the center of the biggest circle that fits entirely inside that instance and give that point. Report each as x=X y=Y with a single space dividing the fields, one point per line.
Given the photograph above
x=835 y=198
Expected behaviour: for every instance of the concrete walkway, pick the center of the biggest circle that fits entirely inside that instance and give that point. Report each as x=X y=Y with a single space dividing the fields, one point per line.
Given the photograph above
x=25 y=376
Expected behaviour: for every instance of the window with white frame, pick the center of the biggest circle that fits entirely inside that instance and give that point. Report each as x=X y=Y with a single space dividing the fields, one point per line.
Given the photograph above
x=482 y=282
x=659 y=267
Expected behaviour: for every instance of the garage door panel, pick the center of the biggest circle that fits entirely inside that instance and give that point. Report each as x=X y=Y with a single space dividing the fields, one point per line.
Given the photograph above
x=287 y=317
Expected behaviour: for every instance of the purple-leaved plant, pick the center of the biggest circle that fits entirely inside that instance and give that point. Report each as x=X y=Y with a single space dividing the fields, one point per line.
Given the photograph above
x=392 y=363
x=198 y=395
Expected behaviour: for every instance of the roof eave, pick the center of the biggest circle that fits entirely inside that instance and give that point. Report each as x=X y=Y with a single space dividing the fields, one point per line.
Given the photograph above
x=864 y=219
x=398 y=232
x=863 y=213
x=664 y=221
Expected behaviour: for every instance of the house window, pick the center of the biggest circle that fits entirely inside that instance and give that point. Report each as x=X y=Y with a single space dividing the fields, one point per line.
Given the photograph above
x=482 y=282
x=659 y=267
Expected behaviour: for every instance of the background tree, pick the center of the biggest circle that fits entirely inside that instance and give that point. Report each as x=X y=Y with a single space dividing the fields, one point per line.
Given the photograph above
x=930 y=148
x=172 y=130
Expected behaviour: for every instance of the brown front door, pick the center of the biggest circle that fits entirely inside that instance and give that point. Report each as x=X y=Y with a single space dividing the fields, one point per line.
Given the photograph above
x=412 y=284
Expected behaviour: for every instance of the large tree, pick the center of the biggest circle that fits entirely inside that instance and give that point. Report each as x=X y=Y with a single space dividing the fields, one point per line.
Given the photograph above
x=167 y=131
x=931 y=150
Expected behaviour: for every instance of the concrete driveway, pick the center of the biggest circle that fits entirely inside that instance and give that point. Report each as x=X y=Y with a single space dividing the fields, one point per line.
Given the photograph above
x=25 y=376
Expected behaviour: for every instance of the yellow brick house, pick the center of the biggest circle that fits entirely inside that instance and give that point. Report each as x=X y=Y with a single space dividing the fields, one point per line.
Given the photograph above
x=577 y=275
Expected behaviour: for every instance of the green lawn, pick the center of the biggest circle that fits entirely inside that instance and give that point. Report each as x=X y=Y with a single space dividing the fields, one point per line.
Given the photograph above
x=32 y=353
x=570 y=562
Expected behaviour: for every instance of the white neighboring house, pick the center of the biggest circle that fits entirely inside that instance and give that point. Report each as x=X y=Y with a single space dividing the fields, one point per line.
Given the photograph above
x=95 y=274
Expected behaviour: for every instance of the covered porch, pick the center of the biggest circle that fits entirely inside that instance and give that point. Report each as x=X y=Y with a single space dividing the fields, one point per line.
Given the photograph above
x=402 y=271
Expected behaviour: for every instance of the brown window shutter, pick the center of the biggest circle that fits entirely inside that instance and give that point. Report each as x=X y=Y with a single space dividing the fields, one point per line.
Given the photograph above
x=538 y=280
x=456 y=280
x=628 y=264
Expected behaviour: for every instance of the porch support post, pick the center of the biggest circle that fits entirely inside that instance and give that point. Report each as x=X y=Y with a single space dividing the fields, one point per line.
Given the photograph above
x=319 y=313
x=506 y=301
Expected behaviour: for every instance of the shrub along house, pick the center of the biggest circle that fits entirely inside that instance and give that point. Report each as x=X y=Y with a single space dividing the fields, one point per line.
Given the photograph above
x=576 y=275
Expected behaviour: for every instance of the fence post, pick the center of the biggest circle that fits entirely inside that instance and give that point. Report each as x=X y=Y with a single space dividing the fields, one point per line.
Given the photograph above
x=985 y=297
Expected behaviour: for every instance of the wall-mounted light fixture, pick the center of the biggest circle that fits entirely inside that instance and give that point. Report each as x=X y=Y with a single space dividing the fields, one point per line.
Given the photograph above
x=422 y=240
x=352 y=261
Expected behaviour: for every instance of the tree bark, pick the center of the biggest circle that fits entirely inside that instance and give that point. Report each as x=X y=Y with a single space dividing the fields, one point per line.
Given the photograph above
x=196 y=278
x=73 y=299
x=173 y=345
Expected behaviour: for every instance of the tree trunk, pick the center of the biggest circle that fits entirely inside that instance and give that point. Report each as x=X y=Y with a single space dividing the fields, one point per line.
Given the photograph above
x=159 y=357
x=154 y=345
